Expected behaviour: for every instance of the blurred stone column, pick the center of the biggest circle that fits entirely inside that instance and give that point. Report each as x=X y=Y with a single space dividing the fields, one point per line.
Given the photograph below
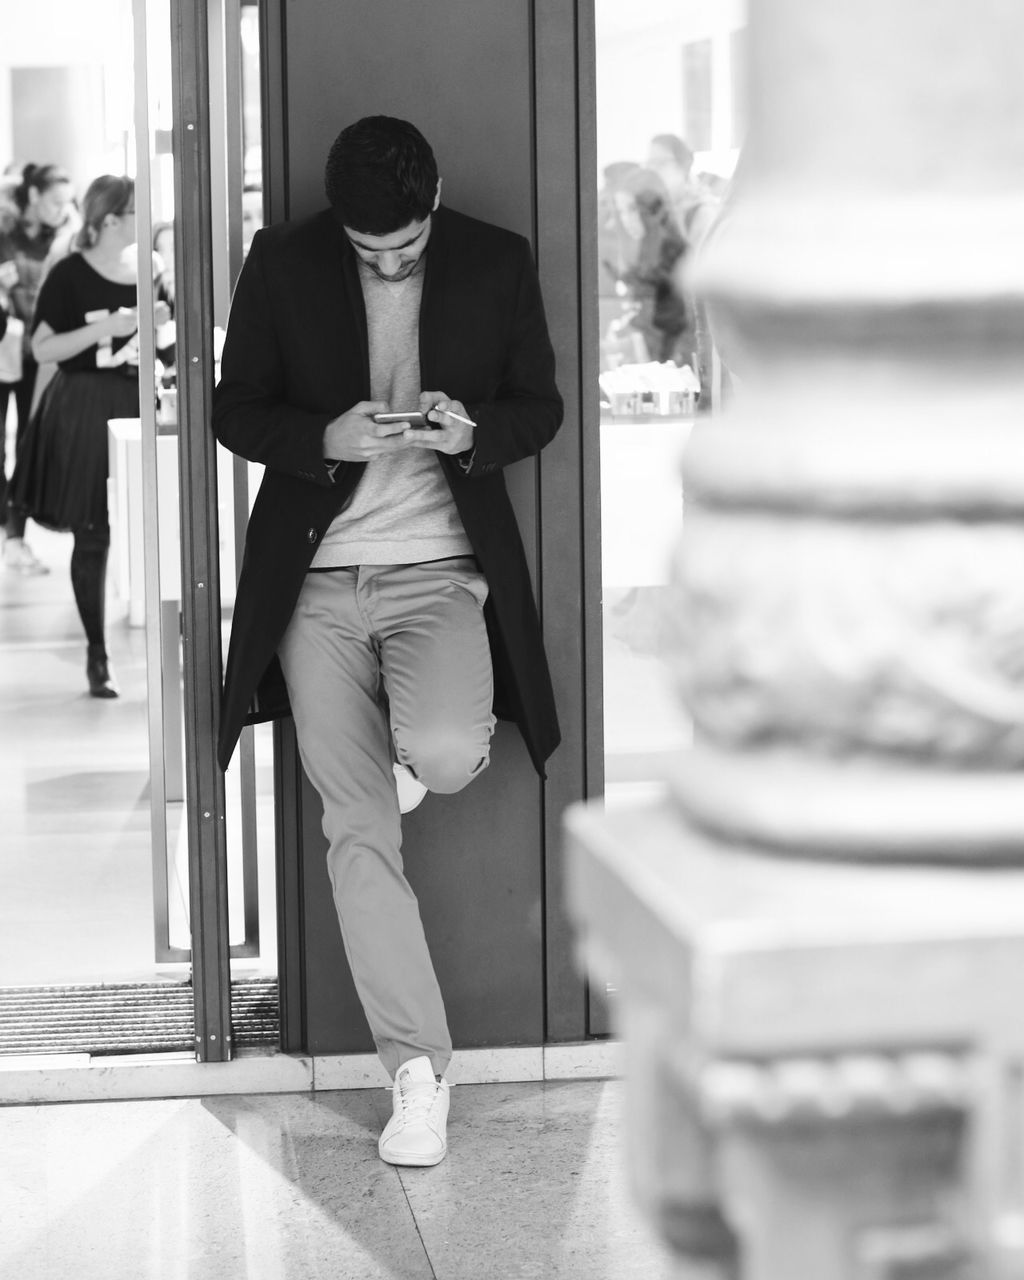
x=818 y=935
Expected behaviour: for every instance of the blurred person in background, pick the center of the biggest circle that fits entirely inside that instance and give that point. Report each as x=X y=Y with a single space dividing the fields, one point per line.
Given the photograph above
x=86 y=322
x=693 y=203
x=616 y=243
x=664 y=315
x=697 y=202
x=37 y=212
x=617 y=246
x=163 y=268
x=163 y=247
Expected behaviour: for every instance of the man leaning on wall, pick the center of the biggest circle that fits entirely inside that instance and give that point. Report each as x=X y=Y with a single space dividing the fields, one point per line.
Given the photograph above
x=384 y=595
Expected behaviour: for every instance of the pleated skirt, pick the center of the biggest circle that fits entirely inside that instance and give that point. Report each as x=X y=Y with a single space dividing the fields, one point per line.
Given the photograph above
x=60 y=474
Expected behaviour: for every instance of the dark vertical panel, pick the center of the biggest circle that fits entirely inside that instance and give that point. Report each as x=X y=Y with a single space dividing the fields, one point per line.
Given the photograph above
x=273 y=110
x=476 y=861
x=589 y=335
x=590 y=462
x=291 y=966
x=484 y=913
x=287 y=769
x=458 y=69
x=563 y=155
x=473 y=862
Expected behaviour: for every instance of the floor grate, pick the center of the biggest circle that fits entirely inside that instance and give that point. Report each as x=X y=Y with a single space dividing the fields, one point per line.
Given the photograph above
x=129 y=1017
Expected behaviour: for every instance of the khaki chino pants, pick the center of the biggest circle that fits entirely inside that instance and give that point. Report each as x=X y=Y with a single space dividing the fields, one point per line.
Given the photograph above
x=386 y=662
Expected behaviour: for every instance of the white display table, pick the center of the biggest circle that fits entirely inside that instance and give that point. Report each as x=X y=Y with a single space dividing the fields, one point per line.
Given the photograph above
x=128 y=526
x=641 y=498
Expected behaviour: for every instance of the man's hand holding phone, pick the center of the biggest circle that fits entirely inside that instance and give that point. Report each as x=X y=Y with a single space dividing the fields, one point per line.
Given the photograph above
x=356 y=436
x=370 y=428
x=408 y=418
x=449 y=428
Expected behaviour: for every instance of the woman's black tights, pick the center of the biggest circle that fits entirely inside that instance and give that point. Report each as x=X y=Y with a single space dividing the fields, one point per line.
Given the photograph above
x=89 y=580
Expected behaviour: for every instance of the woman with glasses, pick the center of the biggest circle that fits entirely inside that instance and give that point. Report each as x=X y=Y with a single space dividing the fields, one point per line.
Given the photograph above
x=86 y=321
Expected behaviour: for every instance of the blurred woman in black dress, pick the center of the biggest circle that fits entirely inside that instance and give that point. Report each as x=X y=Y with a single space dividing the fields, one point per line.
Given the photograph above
x=86 y=321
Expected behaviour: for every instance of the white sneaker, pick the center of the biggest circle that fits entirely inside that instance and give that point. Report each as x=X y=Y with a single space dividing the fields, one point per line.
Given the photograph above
x=18 y=556
x=416 y=1134
x=410 y=790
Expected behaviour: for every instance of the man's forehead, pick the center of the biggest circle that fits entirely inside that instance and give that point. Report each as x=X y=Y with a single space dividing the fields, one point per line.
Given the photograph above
x=400 y=239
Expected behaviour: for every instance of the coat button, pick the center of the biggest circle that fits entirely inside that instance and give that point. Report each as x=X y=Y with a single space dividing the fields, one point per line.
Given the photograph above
x=311 y=535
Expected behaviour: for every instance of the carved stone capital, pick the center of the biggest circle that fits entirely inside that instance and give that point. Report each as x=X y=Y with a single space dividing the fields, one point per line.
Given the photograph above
x=850 y=580
x=903 y=638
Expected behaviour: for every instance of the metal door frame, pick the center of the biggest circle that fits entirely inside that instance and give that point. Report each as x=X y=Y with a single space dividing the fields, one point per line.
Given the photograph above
x=200 y=577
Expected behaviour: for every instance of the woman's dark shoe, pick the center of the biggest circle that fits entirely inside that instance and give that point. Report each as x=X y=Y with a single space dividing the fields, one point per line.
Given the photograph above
x=97 y=670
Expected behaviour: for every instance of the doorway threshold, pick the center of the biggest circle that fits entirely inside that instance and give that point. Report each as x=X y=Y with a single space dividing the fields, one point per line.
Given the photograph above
x=42 y=1078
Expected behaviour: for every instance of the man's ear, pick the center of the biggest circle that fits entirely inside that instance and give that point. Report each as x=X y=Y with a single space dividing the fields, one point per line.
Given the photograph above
x=437 y=196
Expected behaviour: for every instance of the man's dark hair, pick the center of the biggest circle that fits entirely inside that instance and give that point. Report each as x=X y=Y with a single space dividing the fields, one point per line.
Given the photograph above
x=380 y=176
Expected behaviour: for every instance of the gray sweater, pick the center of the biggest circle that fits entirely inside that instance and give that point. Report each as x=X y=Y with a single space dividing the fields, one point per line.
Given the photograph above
x=402 y=511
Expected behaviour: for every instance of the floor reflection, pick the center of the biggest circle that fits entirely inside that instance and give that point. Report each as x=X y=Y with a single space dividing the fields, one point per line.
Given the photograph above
x=75 y=878
x=242 y=1188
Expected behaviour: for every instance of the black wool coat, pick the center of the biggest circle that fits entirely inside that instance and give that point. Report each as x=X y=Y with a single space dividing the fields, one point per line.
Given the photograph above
x=296 y=356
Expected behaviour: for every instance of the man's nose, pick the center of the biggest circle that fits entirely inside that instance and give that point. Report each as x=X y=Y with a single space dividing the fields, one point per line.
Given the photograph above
x=389 y=262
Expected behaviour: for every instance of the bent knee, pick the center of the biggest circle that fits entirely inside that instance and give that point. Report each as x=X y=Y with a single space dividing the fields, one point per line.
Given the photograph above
x=444 y=762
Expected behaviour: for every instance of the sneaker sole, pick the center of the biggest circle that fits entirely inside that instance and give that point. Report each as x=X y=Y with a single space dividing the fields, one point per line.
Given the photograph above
x=412 y=1162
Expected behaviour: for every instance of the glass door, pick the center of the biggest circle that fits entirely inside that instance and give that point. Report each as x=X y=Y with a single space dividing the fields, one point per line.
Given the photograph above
x=81 y=799
x=96 y=905
x=237 y=206
x=670 y=120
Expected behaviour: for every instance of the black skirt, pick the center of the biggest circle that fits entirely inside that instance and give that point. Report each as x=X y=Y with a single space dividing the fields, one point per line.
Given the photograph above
x=60 y=473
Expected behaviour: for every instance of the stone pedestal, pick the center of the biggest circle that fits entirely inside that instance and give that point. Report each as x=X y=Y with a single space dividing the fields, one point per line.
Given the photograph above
x=823 y=1059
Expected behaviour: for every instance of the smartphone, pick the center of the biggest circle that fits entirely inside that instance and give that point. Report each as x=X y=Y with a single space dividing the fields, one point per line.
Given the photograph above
x=412 y=417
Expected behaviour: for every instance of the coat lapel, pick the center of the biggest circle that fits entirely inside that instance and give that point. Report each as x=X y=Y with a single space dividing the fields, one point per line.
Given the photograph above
x=432 y=301
x=353 y=292
x=342 y=310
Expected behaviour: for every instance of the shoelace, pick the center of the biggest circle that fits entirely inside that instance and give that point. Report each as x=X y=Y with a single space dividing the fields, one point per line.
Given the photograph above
x=418 y=1098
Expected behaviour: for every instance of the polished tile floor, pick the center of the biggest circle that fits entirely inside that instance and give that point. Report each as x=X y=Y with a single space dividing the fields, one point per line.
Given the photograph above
x=74 y=786
x=273 y=1187
x=77 y=869
x=256 y=1187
